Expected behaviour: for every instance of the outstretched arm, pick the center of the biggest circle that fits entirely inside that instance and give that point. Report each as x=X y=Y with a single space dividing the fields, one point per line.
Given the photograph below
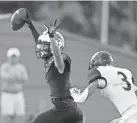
x=81 y=97
x=33 y=30
x=95 y=82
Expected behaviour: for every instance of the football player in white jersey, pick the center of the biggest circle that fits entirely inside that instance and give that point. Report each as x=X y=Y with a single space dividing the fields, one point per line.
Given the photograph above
x=115 y=83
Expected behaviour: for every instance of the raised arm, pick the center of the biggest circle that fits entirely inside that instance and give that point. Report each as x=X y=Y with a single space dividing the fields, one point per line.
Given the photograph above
x=56 y=40
x=58 y=58
x=33 y=30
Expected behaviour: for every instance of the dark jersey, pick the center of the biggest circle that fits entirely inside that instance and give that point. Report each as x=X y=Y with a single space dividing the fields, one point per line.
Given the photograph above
x=59 y=84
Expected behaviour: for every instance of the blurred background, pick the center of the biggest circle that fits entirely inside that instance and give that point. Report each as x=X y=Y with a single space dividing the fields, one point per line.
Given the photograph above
x=87 y=26
x=85 y=17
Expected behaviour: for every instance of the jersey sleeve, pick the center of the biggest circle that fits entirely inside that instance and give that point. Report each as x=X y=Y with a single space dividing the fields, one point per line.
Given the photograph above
x=67 y=61
x=93 y=75
x=34 y=32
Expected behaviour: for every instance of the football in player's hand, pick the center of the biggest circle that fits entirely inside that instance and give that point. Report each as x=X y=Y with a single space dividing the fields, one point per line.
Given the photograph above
x=17 y=19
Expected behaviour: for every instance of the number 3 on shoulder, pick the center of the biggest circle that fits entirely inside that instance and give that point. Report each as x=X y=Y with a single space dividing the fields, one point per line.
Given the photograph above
x=124 y=79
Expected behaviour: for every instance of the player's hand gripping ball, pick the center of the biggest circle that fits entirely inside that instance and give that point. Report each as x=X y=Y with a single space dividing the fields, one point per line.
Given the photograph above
x=17 y=19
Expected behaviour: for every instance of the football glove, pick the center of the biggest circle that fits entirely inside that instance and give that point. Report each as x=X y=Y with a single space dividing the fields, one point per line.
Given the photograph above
x=74 y=91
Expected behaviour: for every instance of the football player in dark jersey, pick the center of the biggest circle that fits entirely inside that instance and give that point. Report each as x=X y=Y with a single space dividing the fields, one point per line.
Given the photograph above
x=57 y=67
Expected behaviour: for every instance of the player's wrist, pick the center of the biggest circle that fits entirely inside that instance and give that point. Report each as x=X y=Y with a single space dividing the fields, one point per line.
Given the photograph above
x=51 y=33
x=30 y=24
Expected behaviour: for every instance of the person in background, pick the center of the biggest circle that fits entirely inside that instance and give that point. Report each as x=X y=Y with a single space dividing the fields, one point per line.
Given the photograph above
x=13 y=77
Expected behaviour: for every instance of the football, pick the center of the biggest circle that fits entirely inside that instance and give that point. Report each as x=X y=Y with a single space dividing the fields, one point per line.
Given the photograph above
x=17 y=21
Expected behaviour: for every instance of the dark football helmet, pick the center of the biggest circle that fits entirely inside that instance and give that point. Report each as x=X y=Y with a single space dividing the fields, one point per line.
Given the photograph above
x=101 y=58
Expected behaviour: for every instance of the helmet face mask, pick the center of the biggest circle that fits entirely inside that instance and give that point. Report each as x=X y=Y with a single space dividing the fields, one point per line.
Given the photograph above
x=42 y=50
x=43 y=47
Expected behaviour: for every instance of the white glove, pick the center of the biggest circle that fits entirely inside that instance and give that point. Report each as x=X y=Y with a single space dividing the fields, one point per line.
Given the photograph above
x=74 y=91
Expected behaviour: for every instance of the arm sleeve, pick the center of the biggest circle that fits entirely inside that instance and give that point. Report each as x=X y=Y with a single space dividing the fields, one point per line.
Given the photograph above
x=34 y=32
x=95 y=75
x=67 y=62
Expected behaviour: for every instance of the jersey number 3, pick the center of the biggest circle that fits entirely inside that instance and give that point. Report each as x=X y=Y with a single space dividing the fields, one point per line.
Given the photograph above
x=124 y=79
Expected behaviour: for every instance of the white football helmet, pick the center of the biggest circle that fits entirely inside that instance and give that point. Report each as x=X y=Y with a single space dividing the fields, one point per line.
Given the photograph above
x=43 y=48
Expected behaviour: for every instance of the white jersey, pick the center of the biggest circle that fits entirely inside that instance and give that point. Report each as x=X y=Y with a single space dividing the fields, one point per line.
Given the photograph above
x=120 y=88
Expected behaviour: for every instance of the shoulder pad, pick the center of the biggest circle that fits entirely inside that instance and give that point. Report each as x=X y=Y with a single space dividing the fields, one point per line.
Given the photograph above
x=99 y=71
x=93 y=74
x=105 y=69
x=101 y=68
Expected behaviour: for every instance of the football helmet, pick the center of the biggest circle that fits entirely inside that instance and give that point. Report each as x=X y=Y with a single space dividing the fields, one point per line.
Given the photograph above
x=101 y=58
x=43 y=48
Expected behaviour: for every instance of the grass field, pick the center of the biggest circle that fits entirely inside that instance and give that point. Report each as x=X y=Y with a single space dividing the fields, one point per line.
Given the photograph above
x=97 y=109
